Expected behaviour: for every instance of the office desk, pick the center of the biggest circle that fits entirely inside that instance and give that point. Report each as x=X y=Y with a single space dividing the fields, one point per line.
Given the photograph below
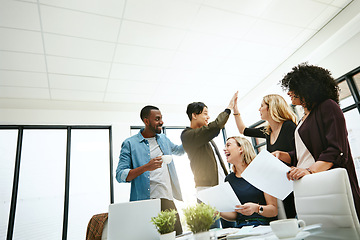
x=315 y=234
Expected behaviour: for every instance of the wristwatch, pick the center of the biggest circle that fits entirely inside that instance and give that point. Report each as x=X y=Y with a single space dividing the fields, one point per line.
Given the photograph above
x=261 y=209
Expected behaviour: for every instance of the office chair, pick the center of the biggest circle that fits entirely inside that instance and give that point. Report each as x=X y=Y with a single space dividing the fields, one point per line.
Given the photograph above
x=326 y=198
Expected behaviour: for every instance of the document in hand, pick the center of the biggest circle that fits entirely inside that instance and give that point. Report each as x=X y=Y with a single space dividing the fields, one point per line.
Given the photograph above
x=268 y=174
x=222 y=197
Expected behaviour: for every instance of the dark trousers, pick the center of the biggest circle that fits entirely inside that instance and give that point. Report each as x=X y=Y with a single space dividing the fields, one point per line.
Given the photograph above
x=289 y=206
x=168 y=204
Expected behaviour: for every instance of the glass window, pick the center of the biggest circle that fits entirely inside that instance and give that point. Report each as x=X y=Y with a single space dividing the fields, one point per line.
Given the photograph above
x=352 y=123
x=8 y=142
x=89 y=179
x=39 y=211
x=185 y=175
x=345 y=97
x=356 y=78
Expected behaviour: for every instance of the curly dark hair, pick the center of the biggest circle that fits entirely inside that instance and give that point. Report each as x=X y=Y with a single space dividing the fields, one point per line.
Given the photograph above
x=312 y=84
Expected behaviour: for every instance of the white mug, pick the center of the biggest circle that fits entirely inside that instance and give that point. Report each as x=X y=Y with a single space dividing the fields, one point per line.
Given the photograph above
x=287 y=228
x=166 y=158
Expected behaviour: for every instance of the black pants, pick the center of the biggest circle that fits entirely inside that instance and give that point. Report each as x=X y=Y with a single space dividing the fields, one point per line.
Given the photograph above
x=167 y=204
x=289 y=206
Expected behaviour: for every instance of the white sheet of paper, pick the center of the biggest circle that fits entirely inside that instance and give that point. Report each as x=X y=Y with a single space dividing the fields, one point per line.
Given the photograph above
x=268 y=174
x=222 y=197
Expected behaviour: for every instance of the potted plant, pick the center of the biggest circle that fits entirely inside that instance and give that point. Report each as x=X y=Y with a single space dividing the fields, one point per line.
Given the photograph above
x=165 y=224
x=199 y=218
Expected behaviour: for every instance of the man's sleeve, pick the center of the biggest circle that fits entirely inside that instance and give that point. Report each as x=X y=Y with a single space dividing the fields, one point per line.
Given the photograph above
x=124 y=165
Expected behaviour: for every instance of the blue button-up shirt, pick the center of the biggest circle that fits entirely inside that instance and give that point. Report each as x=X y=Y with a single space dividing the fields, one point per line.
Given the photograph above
x=135 y=152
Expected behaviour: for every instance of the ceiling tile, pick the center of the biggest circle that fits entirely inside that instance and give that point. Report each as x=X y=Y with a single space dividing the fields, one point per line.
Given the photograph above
x=298 y=13
x=77 y=83
x=340 y=3
x=162 y=12
x=272 y=33
x=324 y=17
x=16 y=14
x=224 y=23
x=69 y=66
x=22 y=62
x=184 y=76
x=143 y=55
x=133 y=72
x=128 y=98
x=245 y=7
x=70 y=95
x=207 y=44
x=253 y=51
x=21 y=41
x=79 y=24
x=23 y=79
x=128 y=87
x=147 y=35
x=196 y=61
x=112 y=8
x=25 y=93
x=78 y=48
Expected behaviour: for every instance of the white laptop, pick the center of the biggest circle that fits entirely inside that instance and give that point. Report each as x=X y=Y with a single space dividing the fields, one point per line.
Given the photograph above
x=132 y=220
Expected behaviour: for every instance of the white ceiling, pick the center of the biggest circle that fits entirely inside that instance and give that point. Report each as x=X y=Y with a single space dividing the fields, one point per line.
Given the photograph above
x=119 y=52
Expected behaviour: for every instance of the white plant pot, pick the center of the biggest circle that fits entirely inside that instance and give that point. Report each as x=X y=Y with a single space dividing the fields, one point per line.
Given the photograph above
x=202 y=236
x=168 y=236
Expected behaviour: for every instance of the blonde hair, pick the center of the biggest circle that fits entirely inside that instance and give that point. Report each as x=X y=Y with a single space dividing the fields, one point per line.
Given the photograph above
x=248 y=150
x=279 y=110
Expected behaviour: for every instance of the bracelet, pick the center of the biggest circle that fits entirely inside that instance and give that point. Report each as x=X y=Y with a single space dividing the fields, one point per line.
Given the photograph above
x=308 y=169
x=236 y=114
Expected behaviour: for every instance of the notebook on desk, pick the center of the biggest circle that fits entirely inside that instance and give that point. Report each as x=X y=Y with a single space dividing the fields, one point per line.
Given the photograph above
x=132 y=220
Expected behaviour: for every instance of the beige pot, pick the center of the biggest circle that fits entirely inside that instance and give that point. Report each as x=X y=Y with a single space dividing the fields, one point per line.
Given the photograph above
x=168 y=236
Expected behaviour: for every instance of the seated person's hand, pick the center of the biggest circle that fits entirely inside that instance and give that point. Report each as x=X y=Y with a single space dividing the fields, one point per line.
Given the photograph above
x=247 y=208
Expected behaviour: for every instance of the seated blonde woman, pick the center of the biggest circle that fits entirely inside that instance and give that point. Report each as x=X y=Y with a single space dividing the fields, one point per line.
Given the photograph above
x=258 y=208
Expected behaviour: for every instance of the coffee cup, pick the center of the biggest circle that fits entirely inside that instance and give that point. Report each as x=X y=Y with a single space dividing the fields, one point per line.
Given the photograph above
x=287 y=228
x=166 y=158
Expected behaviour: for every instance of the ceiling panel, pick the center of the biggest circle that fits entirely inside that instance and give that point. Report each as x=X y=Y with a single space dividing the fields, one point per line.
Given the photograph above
x=111 y=8
x=245 y=7
x=24 y=93
x=79 y=24
x=79 y=67
x=23 y=15
x=23 y=79
x=74 y=47
x=177 y=14
x=283 y=12
x=69 y=82
x=224 y=23
x=148 y=35
x=134 y=72
x=143 y=55
x=21 y=40
x=69 y=95
x=22 y=61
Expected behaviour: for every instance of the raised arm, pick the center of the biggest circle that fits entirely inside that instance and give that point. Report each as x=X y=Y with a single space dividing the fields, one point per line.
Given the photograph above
x=238 y=120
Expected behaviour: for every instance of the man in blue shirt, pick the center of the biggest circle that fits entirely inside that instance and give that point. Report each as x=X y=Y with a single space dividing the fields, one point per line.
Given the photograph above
x=141 y=163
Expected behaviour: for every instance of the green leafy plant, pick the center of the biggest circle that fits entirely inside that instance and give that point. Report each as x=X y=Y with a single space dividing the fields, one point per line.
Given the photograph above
x=165 y=221
x=200 y=217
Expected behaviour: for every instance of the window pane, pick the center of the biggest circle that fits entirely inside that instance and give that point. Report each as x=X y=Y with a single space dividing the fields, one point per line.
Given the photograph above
x=352 y=123
x=356 y=78
x=345 y=97
x=39 y=211
x=8 y=142
x=89 y=179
